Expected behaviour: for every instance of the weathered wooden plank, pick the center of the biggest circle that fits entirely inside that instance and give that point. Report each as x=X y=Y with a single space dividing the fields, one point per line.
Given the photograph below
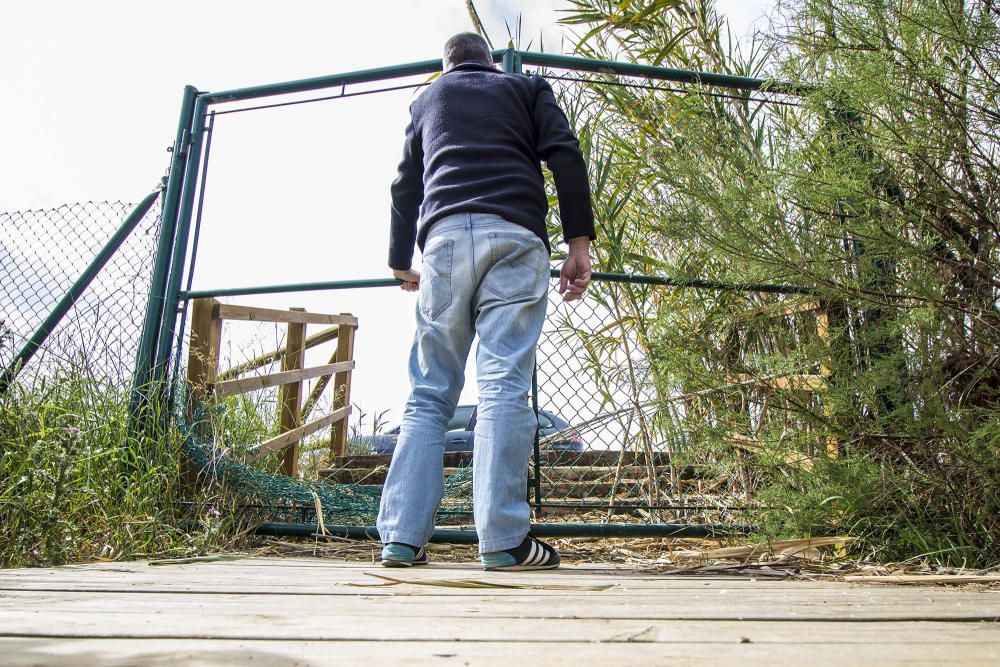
x=338 y=583
x=793 y=382
x=927 y=579
x=319 y=573
x=326 y=576
x=315 y=339
x=279 y=442
x=290 y=399
x=540 y=605
x=203 y=358
x=203 y=365
x=205 y=621
x=333 y=580
x=244 y=385
x=327 y=586
x=97 y=588
x=19 y=652
x=342 y=389
x=783 y=309
x=254 y=314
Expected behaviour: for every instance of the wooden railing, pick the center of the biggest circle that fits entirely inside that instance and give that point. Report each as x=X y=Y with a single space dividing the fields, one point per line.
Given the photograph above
x=209 y=384
x=801 y=382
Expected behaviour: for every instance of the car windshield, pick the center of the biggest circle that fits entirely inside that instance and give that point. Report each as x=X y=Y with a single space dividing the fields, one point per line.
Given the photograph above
x=463 y=415
x=544 y=421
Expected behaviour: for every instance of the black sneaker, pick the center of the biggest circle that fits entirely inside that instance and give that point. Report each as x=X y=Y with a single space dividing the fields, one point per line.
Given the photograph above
x=531 y=554
x=397 y=554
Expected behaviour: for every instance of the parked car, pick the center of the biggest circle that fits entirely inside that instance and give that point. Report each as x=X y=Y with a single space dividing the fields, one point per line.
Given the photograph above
x=460 y=436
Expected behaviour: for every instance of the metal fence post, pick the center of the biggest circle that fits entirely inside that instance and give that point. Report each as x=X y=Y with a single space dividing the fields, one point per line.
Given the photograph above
x=161 y=264
x=178 y=344
x=168 y=323
x=511 y=63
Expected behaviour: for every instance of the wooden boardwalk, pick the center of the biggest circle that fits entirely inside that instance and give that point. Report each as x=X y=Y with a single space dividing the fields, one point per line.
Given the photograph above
x=268 y=611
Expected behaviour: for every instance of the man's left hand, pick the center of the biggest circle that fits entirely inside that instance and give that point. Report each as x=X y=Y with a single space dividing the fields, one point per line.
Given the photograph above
x=410 y=278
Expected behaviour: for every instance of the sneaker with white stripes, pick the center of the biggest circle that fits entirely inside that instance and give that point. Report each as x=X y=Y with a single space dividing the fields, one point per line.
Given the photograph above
x=396 y=554
x=531 y=554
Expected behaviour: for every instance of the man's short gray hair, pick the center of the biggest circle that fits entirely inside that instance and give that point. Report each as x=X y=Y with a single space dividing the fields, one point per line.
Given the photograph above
x=466 y=47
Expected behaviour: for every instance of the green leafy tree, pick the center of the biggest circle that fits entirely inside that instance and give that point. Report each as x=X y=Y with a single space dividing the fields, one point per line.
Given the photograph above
x=876 y=186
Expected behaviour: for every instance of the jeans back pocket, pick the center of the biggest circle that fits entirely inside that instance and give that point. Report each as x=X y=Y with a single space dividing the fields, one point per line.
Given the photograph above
x=435 y=279
x=518 y=262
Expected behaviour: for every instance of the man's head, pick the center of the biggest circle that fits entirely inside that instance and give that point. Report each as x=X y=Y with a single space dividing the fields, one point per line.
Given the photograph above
x=466 y=47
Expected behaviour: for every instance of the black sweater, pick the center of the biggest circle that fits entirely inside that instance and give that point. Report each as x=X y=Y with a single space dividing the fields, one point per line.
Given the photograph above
x=473 y=145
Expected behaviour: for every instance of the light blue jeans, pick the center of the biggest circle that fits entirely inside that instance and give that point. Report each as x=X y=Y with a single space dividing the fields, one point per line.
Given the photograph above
x=480 y=275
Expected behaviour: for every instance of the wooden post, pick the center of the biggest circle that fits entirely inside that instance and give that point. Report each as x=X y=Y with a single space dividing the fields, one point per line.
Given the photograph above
x=203 y=366
x=203 y=352
x=826 y=370
x=290 y=404
x=342 y=389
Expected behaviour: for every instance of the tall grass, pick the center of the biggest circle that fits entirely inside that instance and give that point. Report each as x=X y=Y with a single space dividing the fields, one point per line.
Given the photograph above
x=78 y=484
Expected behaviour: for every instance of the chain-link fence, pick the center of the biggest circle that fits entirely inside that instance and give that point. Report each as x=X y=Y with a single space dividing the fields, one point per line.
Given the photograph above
x=626 y=437
x=661 y=403
x=43 y=253
x=623 y=437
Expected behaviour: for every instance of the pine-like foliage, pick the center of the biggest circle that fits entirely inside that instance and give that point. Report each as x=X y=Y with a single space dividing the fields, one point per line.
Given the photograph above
x=877 y=187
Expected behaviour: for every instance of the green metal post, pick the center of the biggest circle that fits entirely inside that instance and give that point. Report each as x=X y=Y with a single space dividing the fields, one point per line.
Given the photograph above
x=696 y=283
x=45 y=328
x=536 y=452
x=511 y=61
x=560 y=530
x=323 y=82
x=161 y=265
x=169 y=321
x=598 y=276
x=578 y=64
x=178 y=344
x=289 y=288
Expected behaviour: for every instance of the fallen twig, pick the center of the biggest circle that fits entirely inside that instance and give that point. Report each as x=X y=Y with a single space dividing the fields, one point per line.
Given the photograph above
x=197 y=559
x=476 y=583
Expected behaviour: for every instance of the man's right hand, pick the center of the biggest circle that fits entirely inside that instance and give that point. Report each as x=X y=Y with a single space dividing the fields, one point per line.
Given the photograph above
x=575 y=274
x=410 y=278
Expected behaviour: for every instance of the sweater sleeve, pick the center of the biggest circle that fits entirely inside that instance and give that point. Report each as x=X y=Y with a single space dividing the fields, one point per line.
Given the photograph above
x=557 y=145
x=407 y=194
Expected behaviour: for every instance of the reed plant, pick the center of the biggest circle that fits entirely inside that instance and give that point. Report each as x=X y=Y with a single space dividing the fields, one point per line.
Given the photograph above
x=79 y=483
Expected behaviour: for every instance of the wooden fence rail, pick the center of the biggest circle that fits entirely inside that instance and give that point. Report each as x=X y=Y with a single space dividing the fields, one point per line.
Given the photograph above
x=801 y=382
x=207 y=383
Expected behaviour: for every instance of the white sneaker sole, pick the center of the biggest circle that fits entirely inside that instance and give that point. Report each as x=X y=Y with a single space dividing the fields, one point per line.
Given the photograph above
x=514 y=568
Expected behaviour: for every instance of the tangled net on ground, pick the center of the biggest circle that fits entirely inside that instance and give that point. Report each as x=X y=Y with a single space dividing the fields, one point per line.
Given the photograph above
x=293 y=499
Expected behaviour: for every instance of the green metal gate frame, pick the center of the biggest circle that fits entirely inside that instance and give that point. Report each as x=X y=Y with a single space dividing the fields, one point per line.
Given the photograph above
x=166 y=307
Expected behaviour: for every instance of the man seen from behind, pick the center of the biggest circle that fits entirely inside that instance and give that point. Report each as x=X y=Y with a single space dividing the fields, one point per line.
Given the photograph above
x=470 y=194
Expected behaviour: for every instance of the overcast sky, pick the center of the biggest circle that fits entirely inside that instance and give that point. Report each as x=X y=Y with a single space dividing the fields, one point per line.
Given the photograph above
x=92 y=93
